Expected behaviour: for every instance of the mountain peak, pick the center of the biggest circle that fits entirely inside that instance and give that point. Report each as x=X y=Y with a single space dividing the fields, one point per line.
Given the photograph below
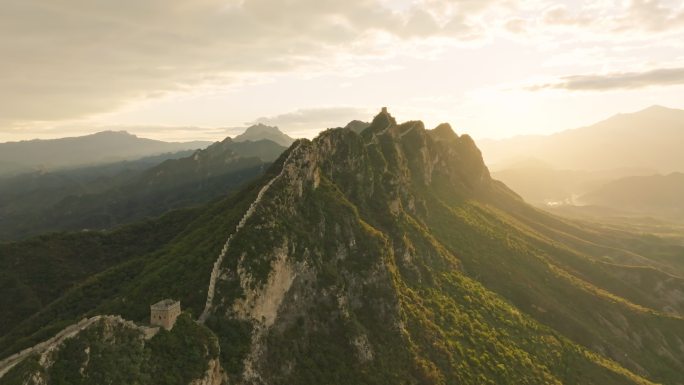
x=655 y=111
x=260 y=127
x=444 y=132
x=656 y=108
x=357 y=126
x=428 y=154
x=114 y=133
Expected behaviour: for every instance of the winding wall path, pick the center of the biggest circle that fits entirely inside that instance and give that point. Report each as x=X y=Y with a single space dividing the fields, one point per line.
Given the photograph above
x=72 y=330
x=66 y=333
x=215 y=271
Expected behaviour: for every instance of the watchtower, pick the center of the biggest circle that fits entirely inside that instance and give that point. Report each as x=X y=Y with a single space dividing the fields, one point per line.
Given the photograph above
x=164 y=313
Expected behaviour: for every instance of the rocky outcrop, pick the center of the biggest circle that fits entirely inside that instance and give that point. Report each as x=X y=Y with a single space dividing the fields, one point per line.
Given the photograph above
x=213 y=376
x=262 y=305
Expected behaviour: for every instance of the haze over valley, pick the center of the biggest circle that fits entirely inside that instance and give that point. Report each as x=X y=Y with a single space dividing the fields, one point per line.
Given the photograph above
x=630 y=164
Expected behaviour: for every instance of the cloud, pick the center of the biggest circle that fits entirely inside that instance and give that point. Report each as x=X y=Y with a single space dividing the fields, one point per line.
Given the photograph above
x=559 y=15
x=66 y=59
x=516 y=25
x=652 y=15
x=308 y=122
x=72 y=59
x=173 y=133
x=617 y=80
x=622 y=18
x=299 y=123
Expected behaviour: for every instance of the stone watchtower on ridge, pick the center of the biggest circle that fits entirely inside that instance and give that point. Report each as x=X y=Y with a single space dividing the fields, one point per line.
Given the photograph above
x=164 y=313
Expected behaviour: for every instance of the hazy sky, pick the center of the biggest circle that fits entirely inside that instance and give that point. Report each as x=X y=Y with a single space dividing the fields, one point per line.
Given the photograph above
x=492 y=68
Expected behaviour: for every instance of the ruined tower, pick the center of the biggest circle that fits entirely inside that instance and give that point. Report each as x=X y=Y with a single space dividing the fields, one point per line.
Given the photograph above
x=164 y=313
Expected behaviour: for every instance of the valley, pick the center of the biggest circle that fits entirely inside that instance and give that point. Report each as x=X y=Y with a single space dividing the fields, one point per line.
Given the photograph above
x=630 y=170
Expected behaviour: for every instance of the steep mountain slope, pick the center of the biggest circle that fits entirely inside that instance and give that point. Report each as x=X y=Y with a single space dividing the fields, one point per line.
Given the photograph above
x=37 y=271
x=104 y=202
x=648 y=139
x=23 y=195
x=393 y=257
x=659 y=195
x=261 y=131
x=102 y=147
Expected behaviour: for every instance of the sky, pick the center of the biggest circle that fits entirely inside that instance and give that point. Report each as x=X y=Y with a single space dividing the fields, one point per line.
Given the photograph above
x=204 y=69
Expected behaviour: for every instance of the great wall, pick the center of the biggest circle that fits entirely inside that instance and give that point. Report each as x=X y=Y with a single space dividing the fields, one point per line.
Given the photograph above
x=45 y=347
x=215 y=271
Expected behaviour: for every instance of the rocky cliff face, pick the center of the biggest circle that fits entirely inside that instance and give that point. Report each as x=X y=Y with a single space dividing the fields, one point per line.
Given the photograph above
x=213 y=376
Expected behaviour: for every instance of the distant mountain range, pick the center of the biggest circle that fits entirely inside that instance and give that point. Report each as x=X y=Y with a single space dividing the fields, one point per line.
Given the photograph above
x=585 y=166
x=100 y=197
x=649 y=139
x=109 y=147
x=98 y=148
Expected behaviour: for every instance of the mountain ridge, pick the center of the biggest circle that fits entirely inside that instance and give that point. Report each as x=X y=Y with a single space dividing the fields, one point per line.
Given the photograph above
x=382 y=128
x=622 y=140
x=97 y=148
x=393 y=257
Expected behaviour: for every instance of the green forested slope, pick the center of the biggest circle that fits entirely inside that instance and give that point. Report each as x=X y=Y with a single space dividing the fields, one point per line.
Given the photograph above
x=37 y=271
